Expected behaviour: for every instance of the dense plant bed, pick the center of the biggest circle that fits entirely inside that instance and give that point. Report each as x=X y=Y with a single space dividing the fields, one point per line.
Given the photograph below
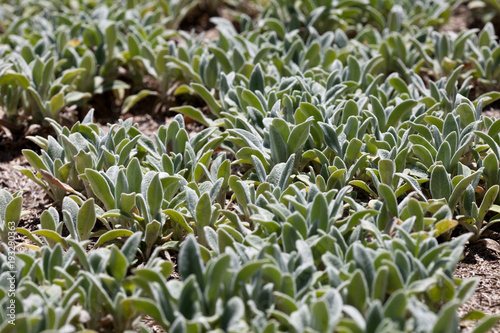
x=324 y=167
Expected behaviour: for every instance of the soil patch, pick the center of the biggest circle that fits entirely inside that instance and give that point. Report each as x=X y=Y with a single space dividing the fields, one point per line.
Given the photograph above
x=35 y=200
x=152 y=325
x=458 y=21
x=148 y=125
x=482 y=260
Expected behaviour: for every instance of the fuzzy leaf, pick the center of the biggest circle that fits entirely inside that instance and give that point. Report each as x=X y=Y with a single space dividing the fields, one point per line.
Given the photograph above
x=190 y=262
x=86 y=219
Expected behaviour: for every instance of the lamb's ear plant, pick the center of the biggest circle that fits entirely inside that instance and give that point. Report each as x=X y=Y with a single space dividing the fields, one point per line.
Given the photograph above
x=442 y=186
x=202 y=286
x=474 y=219
x=336 y=144
x=42 y=94
x=491 y=172
x=51 y=225
x=62 y=163
x=483 y=57
x=59 y=292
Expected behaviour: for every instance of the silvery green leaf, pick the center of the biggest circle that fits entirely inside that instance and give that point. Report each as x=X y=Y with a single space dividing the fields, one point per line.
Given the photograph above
x=450 y=125
x=259 y=168
x=466 y=113
x=70 y=214
x=491 y=172
x=354 y=69
x=86 y=219
x=389 y=199
x=440 y=183
x=190 y=263
x=112 y=235
x=211 y=72
x=215 y=108
x=34 y=160
x=11 y=210
x=489 y=140
x=379 y=288
x=386 y=171
x=486 y=324
x=460 y=188
x=395 y=306
x=129 y=249
x=132 y=100
x=353 y=151
x=318 y=212
x=155 y=195
x=357 y=291
x=279 y=149
x=117 y=264
x=134 y=176
x=487 y=98
x=488 y=200
x=247 y=271
x=133 y=45
x=214 y=277
x=415 y=209
x=151 y=235
x=289 y=236
x=287 y=172
x=191 y=201
x=203 y=211
x=233 y=312
x=222 y=59
x=148 y=306
x=299 y=136
x=400 y=111
x=424 y=155
x=447 y=320
x=444 y=155
x=331 y=137
x=257 y=79
x=101 y=188
x=193 y=113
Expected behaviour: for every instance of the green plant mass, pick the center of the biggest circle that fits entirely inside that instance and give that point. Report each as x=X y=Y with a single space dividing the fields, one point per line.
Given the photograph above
x=323 y=165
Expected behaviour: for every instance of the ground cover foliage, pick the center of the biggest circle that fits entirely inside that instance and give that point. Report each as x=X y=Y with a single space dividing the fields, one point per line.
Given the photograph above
x=341 y=139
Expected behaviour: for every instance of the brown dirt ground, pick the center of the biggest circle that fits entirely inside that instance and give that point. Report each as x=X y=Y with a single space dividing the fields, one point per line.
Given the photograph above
x=458 y=21
x=482 y=261
x=35 y=200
